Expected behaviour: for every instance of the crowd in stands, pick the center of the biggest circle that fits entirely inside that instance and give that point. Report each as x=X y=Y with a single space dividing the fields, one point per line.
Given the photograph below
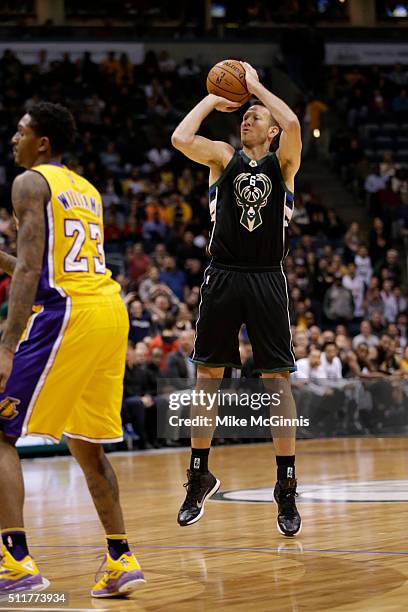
x=371 y=149
x=348 y=307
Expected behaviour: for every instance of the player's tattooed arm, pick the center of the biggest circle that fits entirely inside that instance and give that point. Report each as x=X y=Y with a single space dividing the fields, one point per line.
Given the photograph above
x=7 y=262
x=29 y=193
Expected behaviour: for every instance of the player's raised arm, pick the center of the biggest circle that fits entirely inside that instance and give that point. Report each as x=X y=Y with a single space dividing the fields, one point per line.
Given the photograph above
x=29 y=194
x=198 y=148
x=290 y=144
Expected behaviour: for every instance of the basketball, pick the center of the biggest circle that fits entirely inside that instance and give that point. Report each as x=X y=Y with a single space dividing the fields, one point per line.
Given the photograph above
x=227 y=79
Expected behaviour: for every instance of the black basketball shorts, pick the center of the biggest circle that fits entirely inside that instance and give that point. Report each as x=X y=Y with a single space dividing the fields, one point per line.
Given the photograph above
x=233 y=296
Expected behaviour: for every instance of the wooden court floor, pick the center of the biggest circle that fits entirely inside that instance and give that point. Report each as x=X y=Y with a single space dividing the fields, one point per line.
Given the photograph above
x=352 y=554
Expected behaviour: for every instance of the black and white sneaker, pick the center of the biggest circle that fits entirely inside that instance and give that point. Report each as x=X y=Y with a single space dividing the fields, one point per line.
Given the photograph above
x=289 y=522
x=200 y=486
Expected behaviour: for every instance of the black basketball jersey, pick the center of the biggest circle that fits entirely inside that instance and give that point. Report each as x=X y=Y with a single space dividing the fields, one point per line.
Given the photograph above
x=250 y=208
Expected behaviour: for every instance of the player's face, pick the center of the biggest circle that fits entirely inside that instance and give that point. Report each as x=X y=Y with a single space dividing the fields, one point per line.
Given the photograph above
x=256 y=128
x=27 y=145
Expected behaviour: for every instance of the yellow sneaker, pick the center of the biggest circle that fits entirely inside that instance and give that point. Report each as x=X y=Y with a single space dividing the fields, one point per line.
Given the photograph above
x=21 y=575
x=120 y=577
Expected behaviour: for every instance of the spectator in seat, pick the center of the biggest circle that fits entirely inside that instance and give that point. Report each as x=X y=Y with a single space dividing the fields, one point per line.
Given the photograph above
x=178 y=363
x=167 y=341
x=338 y=305
x=174 y=278
x=365 y=336
x=330 y=362
x=135 y=396
x=355 y=284
x=140 y=322
x=364 y=268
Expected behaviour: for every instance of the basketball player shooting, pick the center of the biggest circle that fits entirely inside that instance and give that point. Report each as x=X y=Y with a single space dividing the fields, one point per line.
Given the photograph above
x=251 y=203
x=62 y=361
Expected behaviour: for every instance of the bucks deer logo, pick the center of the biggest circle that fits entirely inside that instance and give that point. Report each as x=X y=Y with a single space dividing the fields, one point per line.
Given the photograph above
x=8 y=408
x=252 y=192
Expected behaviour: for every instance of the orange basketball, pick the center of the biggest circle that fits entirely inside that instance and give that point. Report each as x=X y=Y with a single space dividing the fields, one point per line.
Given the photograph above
x=227 y=79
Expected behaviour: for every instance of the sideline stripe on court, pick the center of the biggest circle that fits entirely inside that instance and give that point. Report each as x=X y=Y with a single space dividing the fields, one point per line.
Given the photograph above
x=244 y=548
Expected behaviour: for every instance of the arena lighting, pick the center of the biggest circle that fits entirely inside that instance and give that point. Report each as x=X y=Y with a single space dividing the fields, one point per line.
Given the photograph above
x=400 y=11
x=316 y=133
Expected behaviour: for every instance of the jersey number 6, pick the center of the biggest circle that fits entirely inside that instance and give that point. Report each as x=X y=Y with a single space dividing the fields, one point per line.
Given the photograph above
x=73 y=262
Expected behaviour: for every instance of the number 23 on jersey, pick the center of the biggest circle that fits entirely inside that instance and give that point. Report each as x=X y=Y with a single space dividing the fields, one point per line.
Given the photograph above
x=86 y=253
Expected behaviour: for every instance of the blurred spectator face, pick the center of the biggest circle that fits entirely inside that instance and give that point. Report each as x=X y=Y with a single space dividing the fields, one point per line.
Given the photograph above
x=387 y=286
x=385 y=274
x=351 y=269
x=342 y=342
x=140 y=357
x=314 y=358
x=385 y=342
x=136 y=309
x=138 y=249
x=160 y=250
x=296 y=294
x=300 y=308
x=362 y=351
x=376 y=319
x=183 y=312
x=186 y=339
x=193 y=297
x=406 y=353
x=362 y=251
x=374 y=282
x=156 y=356
x=328 y=251
x=323 y=264
x=309 y=318
x=365 y=328
x=169 y=263
x=300 y=339
x=154 y=274
x=331 y=352
x=392 y=330
x=392 y=256
x=402 y=318
x=188 y=238
x=162 y=302
x=341 y=329
x=193 y=265
x=300 y=352
x=314 y=334
x=378 y=225
x=328 y=336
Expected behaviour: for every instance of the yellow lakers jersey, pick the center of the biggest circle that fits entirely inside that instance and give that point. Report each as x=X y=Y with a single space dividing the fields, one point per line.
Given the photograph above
x=74 y=258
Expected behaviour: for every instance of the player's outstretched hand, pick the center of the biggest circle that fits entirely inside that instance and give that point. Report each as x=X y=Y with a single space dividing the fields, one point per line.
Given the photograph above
x=251 y=76
x=224 y=105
